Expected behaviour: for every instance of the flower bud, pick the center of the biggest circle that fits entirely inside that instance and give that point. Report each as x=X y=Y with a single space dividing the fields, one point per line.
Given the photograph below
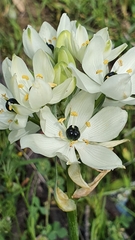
x=65 y=56
x=64 y=39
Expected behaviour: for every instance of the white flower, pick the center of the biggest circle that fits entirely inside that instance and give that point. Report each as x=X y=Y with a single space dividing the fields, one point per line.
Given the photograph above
x=68 y=34
x=98 y=54
x=82 y=136
x=46 y=38
x=125 y=64
x=8 y=118
x=31 y=92
x=79 y=40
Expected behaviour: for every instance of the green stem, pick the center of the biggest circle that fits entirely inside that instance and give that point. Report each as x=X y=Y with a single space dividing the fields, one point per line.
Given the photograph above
x=72 y=216
x=73 y=225
x=35 y=119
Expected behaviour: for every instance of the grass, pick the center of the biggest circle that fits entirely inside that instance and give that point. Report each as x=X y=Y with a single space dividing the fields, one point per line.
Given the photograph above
x=99 y=218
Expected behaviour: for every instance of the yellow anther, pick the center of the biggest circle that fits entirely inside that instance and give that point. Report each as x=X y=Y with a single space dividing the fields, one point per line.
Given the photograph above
x=39 y=75
x=74 y=114
x=10 y=120
x=52 y=85
x=120 y=62
x=60 y=134
x=87 y=124
x=20 y=85
x=99 y=71
x=26 y=97
x=54 y=38
x=129 y=70
x=1 y=110
x=4 y=96
x=86 y=141
x=61 y=120
x=25 y=77
x=105 y=61
x=10 y=108
x=72 y=143
x=85 y=43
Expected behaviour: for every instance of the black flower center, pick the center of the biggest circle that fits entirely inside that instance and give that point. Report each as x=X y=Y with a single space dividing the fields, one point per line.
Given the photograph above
x=73 y=133
x=50 y=46
x=110 y=74
x=9 y=102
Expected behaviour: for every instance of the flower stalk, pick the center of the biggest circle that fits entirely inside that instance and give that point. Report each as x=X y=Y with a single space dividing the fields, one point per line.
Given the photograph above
x=72 y=216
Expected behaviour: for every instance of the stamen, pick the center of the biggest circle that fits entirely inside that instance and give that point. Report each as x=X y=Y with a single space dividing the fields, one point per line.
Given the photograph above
x=99 y=71
x=39 y=75
x=129 y=70
x=120 y=62
x=85 y=43
x=60 y=134
x=4 y=96
x=74 y=114
x=52 y=85
x=88 y=124
x=20 y=85
x=10 y=108
x=54 y=38
x=61 y=120
x=72 y=143
x=26 y=97
x=10 y=120
x=105 y=61
x=86 y=141
x=1 y=110
x=25 y=77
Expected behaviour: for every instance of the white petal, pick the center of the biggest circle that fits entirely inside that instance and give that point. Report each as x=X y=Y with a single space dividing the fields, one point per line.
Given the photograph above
x=6 y=118
x=49 y=124
x=125 y=62
x=5 y=91
x=17 y=134
x=19 y=68
x=118 y=86
x=103 y=33
x=42 y=66
x=48 y=33
x=83 y=81
x=6 y=69
x=63 y=90
x=67 y=154
x=32 y=42
x=41 y=144
x=114 y=143
x=93 y=61
x=64 y=24
x=106 y=124
x=82 y=104
x=19 y=121
x=98 y=157
x=43 y=93
x=116 y=52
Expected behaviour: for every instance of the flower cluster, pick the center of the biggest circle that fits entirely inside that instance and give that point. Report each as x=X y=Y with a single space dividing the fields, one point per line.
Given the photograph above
x=72 y=96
